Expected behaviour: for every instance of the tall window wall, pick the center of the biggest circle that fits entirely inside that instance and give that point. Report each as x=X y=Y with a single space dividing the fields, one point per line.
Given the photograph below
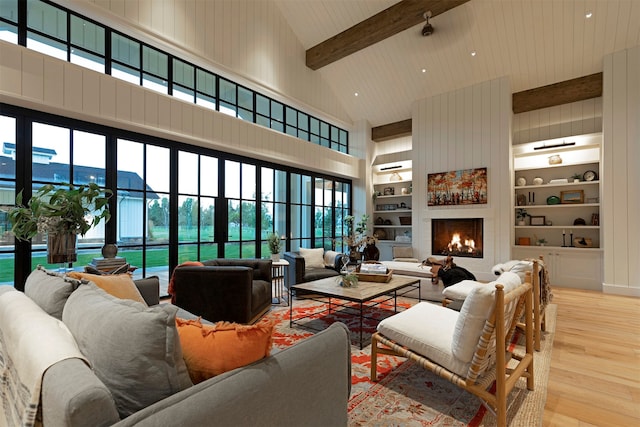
x=172 y=202
x=53 y=30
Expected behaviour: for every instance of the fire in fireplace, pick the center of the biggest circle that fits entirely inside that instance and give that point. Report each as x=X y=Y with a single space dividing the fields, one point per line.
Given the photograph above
x=460 y=237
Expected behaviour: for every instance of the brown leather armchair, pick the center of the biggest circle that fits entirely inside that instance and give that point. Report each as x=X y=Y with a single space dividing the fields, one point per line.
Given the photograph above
x=236 y=290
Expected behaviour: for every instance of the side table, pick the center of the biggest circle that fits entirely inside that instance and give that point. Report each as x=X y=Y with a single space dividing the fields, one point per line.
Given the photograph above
x=278 y=270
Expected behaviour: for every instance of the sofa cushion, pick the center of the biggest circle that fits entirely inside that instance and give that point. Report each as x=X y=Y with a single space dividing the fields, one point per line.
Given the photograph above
x=212 y=350
x=49 y=290
x=118 y=285
x=313 y=258
x=134 y=349
x=330 y=258
x=476 y=309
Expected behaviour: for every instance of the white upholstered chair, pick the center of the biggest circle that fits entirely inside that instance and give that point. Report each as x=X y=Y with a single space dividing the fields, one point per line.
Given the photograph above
x=518 y=269
x=470 y=348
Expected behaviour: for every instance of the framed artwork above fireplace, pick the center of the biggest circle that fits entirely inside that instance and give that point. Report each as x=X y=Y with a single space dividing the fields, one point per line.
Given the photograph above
x=461 y=187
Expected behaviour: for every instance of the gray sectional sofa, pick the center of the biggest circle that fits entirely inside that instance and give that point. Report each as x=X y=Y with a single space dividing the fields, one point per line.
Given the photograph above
x=73 y=394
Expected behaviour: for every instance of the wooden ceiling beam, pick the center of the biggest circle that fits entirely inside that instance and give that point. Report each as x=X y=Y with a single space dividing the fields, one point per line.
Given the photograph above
x=565 y=92
x=399 y=17
x=391 y=131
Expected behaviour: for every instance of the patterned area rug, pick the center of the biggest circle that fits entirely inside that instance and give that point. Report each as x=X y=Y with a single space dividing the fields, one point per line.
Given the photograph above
x=405 y=394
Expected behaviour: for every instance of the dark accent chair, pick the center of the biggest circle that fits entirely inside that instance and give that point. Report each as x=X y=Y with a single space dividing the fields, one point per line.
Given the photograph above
x=297 y=273
x=236 y=290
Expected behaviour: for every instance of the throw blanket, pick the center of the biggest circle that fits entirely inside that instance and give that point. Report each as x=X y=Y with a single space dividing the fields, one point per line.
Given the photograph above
x=546 y=296
x=30 y=342
x=170 y=290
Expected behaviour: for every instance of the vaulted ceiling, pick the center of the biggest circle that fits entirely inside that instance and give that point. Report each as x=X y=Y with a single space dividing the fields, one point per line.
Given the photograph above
x=533 y=42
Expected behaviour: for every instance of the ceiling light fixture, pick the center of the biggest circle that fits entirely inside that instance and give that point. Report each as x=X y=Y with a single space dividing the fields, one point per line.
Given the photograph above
x=427 y=30
x=424 y=70
x=355 y=94
x=588 y=15
x=473 y=53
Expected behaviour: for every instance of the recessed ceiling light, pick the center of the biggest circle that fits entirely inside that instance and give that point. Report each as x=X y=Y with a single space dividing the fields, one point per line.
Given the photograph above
x=588 y=15
x=355 y=94
x=473 y=53
x=424 y=70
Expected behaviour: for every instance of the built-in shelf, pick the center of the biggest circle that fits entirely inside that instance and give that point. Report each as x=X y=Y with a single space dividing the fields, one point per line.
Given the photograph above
x=569 y=263
x=392 y=207
x=568 y=184
x=560 y=206
x=575 y=228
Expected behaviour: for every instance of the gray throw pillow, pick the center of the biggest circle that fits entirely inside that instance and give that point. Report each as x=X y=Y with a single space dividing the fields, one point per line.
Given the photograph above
x=49 y=290
x=134 y=350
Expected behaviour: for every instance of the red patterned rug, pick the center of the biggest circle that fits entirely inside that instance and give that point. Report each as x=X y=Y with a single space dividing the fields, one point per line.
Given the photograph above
x=405 y=394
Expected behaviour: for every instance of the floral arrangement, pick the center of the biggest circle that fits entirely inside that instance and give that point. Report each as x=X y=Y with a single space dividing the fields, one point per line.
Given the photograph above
x=356 y=236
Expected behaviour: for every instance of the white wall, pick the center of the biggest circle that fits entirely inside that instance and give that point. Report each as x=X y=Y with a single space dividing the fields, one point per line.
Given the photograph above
x=576 y=118
x=33 y=80
x=621 y=181
x=467 y=128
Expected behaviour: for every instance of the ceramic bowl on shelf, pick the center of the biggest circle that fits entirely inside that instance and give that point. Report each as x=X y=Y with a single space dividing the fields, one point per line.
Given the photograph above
x=537 y=181
x=521 y=182
x=553 y=200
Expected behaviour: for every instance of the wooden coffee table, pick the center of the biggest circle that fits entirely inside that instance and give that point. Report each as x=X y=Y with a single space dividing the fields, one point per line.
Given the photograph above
x=364 y=293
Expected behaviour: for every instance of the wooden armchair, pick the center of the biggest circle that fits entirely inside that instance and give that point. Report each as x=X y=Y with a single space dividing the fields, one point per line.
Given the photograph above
x=470 y=348
x=541 y=293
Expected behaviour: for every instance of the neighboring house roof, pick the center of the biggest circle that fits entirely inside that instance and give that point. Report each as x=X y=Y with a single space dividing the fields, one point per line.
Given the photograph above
x=59 y=172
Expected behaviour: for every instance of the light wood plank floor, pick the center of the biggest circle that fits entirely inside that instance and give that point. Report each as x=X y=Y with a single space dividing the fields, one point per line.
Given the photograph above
x=595 y=364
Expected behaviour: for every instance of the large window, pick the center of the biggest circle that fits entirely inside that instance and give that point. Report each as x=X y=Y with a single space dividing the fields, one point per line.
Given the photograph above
x=172 y=202
x=58 y=32
x=197 y=196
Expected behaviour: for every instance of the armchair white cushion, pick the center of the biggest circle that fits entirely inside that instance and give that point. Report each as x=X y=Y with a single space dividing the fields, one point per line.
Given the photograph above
x=476 y=309
x=427 y=329
x=461 y=290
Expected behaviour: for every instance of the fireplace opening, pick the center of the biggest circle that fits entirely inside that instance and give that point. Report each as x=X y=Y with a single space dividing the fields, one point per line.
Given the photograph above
x=460 y=237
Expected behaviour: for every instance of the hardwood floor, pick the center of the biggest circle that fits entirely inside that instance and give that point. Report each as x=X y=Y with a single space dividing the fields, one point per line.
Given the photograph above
x=595 y=364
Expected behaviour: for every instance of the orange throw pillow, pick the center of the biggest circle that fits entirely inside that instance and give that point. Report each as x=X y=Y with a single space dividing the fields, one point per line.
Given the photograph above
x=210 y=350
x=119 y=285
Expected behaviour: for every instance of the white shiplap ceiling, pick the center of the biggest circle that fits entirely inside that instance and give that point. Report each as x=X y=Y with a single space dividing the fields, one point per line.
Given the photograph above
x=534 y=42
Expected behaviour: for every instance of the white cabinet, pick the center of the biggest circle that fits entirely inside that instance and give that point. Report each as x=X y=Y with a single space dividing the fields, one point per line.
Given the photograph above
x=568 y=267
x=556 y=182
x=392 y=204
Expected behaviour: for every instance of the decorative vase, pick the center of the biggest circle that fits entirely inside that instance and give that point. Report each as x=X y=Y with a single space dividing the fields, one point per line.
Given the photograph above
x=555 y=159
x=354 y=254
x=371 y=252
x=61 y=248
x=109 y=250
x=275 y=257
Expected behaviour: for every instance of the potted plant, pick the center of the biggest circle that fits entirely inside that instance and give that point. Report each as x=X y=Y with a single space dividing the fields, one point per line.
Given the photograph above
x=521 y=216
x=274 y=242
x=349 y=280
x=62 y=212
x=576 y=177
